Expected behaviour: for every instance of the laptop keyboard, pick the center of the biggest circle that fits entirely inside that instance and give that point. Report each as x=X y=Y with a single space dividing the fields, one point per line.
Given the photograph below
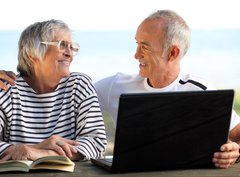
x=109 y=160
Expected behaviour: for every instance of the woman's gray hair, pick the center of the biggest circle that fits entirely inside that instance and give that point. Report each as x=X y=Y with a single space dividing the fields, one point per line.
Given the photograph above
x=29 y=44
x=176 y=30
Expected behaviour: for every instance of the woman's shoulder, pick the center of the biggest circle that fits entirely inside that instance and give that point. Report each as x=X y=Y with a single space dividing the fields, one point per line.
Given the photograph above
x=80 y=76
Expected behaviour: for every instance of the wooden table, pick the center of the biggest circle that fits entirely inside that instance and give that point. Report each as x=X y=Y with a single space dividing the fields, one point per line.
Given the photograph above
x=87 y=169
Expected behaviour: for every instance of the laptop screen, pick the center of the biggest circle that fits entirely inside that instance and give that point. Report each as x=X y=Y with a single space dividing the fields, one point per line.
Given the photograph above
x=171 y=130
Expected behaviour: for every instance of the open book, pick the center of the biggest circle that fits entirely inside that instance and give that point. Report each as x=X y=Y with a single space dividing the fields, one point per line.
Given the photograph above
x=61 y=163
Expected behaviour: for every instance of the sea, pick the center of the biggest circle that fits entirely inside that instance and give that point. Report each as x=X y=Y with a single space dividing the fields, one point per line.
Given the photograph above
x=214 y=54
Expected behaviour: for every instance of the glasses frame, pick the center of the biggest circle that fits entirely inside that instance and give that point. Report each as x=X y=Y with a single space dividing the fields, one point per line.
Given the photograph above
x=73 y=46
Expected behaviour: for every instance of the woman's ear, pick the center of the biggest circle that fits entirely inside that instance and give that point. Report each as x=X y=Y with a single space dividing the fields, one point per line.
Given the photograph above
x=174 y=53
x=31 y=57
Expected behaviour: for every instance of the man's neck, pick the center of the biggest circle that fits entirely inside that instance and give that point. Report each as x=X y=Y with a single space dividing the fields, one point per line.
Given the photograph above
x=163 y=81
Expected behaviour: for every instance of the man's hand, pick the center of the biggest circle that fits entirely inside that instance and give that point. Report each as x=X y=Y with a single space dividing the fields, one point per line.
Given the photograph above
x=7 y=76
x=228 y=155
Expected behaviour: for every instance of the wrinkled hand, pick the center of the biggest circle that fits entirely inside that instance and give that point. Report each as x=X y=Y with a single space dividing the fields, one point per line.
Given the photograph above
x=61 y=146
x=228 y=155
x=54 y=145
x=8 y=76
x=24 y=152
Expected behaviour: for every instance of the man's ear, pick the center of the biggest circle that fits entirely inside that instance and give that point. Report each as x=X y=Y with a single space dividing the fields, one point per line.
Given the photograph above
x=174 y=53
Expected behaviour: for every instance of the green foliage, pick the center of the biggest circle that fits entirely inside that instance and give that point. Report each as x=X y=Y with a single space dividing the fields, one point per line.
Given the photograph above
x=237 y=101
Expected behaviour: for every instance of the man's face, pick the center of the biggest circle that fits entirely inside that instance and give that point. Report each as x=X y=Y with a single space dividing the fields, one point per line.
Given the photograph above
x=149 y=52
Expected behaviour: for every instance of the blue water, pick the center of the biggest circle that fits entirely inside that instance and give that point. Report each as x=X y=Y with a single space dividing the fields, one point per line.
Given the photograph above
x=213 y=55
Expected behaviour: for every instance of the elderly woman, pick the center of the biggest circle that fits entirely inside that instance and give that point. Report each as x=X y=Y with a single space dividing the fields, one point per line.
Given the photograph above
x=50 y=111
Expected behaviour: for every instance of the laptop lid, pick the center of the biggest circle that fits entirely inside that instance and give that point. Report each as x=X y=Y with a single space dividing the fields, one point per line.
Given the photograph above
x=173 y=130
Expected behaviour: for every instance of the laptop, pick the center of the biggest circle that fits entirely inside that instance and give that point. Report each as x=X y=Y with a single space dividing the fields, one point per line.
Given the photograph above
x=173 y=130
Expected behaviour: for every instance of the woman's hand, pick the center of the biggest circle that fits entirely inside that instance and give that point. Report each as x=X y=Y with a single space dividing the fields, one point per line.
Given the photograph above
x=25 y=152
x=61 y=146
x=54 y=145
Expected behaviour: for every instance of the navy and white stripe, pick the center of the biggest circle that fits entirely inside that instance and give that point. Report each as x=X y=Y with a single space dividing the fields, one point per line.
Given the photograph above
x=71 y=111
x=198 y=84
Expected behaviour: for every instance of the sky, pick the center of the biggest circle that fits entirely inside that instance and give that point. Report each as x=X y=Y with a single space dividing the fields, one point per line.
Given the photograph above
x=117 y=15
x=126 y=15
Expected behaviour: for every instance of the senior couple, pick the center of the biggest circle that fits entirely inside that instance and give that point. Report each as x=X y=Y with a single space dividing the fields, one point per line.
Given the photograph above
x=47 y=110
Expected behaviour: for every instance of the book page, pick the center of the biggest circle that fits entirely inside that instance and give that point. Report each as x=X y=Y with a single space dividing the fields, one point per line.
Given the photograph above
x=54 y=163
x=15 y=165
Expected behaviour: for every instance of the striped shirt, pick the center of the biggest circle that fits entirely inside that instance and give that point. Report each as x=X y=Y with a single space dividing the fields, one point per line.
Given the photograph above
x=71 y=111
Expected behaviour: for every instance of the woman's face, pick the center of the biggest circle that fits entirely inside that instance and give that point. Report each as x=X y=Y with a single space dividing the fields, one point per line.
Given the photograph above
x=56 y=61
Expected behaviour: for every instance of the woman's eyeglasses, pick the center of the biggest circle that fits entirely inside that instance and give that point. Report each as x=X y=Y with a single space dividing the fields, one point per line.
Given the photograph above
x=63 y=45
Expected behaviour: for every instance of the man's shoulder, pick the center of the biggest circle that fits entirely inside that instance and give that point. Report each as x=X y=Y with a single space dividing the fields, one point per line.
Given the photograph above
x=195 y=81
x=122 y=77
x=119 y=78
x=188 y=76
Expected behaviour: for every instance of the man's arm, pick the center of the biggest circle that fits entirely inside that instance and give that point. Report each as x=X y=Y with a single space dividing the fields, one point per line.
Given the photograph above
x=234 y=134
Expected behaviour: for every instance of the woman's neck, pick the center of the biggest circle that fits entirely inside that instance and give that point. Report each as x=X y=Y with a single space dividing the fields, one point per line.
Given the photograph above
x=41 y=85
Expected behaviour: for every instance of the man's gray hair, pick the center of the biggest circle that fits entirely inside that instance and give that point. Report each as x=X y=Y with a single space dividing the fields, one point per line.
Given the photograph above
x=176 y=30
